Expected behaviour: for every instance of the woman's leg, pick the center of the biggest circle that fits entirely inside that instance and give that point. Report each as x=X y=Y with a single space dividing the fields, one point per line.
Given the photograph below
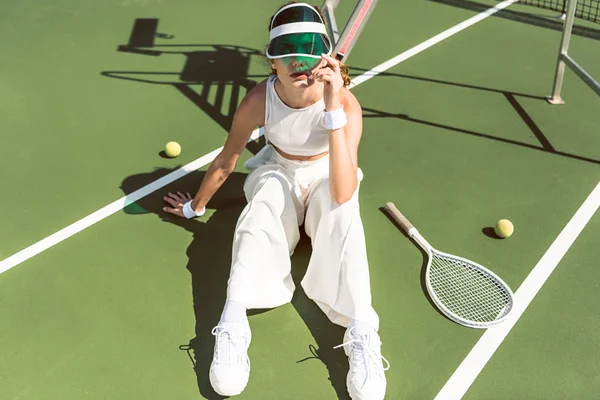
x=337 y=279
x=266 y=234
x=265 y=237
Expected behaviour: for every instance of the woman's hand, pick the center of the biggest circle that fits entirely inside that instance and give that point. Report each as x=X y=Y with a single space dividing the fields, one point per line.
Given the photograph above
x=176 y=201
x=331 y=76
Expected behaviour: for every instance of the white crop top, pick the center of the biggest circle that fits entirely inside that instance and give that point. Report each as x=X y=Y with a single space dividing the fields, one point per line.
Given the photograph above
x=297 y=131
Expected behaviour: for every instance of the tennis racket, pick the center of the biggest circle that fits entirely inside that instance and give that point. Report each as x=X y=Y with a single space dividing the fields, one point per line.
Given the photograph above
x=463 y=290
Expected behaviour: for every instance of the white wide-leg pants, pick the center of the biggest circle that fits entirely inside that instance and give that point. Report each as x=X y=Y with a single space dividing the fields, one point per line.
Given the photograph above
x=281 y=195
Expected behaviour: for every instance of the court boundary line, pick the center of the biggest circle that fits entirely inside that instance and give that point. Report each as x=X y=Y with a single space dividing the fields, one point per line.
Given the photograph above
x=470 y=368
x=117 y=205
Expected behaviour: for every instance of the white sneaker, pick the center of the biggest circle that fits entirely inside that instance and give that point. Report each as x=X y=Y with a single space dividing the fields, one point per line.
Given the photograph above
x=230 y=367
x=366 y=377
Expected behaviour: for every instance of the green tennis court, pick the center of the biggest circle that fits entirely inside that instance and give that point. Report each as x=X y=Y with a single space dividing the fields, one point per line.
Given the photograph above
x=458 y=136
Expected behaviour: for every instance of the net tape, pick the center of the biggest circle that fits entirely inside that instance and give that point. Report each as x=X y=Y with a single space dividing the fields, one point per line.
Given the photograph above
x=586 y=9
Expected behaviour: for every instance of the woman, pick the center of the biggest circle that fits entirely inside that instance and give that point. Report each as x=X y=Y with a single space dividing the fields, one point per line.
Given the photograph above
x=307 y=172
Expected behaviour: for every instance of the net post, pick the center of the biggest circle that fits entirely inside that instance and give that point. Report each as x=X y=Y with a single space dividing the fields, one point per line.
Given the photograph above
x=564 y=49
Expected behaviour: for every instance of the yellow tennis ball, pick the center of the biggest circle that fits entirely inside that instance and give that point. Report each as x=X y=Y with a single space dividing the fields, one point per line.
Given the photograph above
x=173 y=149
x=504 y=228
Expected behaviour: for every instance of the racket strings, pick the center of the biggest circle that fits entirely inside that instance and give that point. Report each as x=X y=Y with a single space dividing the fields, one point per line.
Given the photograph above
x=467 y=291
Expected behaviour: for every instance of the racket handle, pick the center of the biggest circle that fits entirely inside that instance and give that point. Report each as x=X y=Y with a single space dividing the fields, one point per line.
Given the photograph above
x=391 y=209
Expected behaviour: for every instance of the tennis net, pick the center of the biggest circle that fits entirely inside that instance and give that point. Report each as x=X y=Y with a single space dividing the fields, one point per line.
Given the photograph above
x=586 y=9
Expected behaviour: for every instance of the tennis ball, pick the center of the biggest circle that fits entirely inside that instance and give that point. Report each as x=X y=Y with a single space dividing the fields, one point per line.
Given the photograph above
x=504 y=228
x=173 y=149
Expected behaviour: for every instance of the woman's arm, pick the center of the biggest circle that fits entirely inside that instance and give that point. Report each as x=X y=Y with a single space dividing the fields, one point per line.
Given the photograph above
x=343 y=150
x=249 y=115
x=343 y=142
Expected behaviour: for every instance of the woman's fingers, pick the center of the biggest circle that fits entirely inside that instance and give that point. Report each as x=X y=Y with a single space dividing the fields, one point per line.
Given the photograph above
x=176 y=196
x=180 y=196
x=176 y=200
x=324 y=74
x=335 y=64
x=172 y=202
x=174 y=211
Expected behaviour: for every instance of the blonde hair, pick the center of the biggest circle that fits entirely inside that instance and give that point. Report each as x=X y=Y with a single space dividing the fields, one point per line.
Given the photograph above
x=343 y=67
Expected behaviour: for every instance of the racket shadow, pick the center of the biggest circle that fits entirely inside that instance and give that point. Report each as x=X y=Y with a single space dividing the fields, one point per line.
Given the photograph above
x=423 y=264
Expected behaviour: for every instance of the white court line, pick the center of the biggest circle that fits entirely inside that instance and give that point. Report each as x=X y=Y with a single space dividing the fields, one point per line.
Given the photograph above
x=430 y=42
x=108 y=210
x=123 y=202
x=469 y=369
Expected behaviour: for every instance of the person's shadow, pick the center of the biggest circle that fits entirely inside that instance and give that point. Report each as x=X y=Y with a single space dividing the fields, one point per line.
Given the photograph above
x=209 y=262
x=209 y=253
x=326 y=334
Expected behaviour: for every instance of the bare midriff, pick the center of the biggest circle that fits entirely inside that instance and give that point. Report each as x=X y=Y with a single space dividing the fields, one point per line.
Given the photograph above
x=300 y=158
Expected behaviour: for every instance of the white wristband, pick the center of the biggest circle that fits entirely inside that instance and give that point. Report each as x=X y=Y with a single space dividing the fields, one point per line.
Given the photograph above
x=335 y=119
x=189 y=212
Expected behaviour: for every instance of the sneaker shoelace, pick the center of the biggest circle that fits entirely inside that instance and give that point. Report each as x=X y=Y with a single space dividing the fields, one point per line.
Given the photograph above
x=231 y=348
x=364 y=357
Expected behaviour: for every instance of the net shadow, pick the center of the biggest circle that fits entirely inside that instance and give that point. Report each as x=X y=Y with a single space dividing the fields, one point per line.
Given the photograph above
x=511 y=97
x=214 y=77
x=529 y=18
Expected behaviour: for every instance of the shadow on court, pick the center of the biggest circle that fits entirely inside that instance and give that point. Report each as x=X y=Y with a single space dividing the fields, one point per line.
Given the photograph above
x=511 y=98
x=214 y=77
x=423 y=277
x=209 y=261
x=326 y=334
x=532 y=19
x=209 y=254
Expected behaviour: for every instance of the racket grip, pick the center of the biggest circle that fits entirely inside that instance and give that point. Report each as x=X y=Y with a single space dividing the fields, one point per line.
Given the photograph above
x=400 y=219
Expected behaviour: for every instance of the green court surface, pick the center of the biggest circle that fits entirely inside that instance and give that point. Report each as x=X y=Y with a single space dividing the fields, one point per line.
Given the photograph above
x=458 y=136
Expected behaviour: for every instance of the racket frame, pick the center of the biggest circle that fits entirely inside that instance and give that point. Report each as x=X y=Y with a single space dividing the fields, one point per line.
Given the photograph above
x=414 y=234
